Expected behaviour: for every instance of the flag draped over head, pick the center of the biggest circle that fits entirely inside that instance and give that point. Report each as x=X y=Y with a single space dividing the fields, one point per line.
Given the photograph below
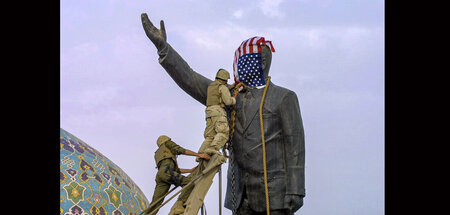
x=247 y=65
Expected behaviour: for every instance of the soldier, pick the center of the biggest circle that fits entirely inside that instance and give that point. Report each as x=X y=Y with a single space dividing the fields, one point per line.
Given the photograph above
x=217 y=130
x=168 y=171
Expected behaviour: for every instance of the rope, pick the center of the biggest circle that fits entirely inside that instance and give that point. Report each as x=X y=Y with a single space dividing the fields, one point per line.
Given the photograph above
x=232 y=117
x=266 y=189
x=233 y=112
x=229 y=146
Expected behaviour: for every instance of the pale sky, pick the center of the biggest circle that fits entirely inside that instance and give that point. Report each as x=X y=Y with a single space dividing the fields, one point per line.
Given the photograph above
x=117 y=98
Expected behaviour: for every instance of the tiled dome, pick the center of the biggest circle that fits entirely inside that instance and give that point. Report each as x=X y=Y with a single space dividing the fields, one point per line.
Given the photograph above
x=90 y=183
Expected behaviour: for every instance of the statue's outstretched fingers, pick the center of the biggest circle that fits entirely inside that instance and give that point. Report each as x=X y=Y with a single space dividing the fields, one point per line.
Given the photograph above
x=163 y=30
x=148 y=25
x=157 y=36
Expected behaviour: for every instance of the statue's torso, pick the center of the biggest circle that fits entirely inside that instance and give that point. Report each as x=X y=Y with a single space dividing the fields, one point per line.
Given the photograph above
x=247 y=146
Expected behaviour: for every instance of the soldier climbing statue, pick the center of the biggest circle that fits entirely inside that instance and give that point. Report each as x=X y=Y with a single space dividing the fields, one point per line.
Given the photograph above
x=217 y=129
x=268 y=138
x=216 y=135
x=168 y=171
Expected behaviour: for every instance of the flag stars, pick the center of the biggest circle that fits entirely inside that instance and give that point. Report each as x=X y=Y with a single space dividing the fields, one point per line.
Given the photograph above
x=248 y=70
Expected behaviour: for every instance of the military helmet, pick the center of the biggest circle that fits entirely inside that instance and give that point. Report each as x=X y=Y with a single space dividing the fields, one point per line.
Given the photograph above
x=223 y=74
x=162 y=139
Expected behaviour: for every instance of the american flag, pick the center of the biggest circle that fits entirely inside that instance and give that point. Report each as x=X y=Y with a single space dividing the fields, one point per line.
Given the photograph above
x=247 y=65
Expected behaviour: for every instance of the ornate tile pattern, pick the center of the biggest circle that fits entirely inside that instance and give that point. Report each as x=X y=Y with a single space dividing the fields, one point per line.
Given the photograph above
x=92 y=184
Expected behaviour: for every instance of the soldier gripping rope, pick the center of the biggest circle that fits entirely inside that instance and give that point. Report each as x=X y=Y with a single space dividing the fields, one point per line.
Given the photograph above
x=216 y=135
x=168 y=171
x=217 y=129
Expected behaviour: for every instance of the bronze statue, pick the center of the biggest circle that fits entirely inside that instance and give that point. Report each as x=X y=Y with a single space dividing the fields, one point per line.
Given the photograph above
x=283 y=134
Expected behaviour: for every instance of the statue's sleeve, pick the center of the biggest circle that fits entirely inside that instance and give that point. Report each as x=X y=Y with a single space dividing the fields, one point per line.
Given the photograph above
x=294 y=143
x=191 y=82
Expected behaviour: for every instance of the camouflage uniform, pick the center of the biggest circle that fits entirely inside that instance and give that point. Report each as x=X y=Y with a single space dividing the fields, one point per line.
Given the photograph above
x=217 y=130
x=168 y=171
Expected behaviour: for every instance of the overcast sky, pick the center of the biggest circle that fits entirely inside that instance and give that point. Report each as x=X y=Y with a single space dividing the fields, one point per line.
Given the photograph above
x=117 y=98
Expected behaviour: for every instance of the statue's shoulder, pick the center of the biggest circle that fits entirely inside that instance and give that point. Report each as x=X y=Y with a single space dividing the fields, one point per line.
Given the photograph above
x=279 y=91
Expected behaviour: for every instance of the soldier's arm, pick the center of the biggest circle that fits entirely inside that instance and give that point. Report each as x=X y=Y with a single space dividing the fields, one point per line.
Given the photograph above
x=185 y=170
x=175 y=148
x=191 y=153
x=226 y=96
x=178 y=150
x=187 y=79
x=188 y=170
x=294 y=143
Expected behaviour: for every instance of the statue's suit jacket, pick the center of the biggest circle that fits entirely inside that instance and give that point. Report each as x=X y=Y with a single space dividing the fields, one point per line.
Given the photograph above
x=283 y=131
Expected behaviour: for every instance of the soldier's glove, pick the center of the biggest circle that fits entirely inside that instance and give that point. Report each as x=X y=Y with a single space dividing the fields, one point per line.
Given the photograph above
x=232 y=86
x=241 y=87
x=293 y=202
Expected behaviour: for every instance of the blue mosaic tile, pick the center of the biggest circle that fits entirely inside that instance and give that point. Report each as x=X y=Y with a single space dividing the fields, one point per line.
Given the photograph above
x=90 y=183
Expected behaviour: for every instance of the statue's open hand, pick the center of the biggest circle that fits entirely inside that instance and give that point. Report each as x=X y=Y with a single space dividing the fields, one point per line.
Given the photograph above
x=294 y=202
x=157 y=36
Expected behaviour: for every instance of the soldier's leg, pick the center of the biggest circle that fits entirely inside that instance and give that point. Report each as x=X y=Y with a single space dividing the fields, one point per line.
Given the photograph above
x=174 y=177
x=206 y=143
x=186 y=180
x=221 y=129
x=208 y=134
x=162 y=187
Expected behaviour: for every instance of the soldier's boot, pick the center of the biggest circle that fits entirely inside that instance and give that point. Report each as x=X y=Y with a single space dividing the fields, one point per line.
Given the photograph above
x=177 y=208
x=206 y=143
x=218 y=142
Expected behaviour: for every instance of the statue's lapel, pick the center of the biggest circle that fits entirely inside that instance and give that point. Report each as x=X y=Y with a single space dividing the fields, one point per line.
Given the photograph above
x=252 y=109
x=239 y=110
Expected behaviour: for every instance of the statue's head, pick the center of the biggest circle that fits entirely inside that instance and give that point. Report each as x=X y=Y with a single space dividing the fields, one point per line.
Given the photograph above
x=162 y=139
x=266 y=60
x=252 y=61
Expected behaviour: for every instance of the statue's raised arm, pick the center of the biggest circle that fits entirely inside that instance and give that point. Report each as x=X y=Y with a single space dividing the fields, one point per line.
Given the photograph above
x=187 y=79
